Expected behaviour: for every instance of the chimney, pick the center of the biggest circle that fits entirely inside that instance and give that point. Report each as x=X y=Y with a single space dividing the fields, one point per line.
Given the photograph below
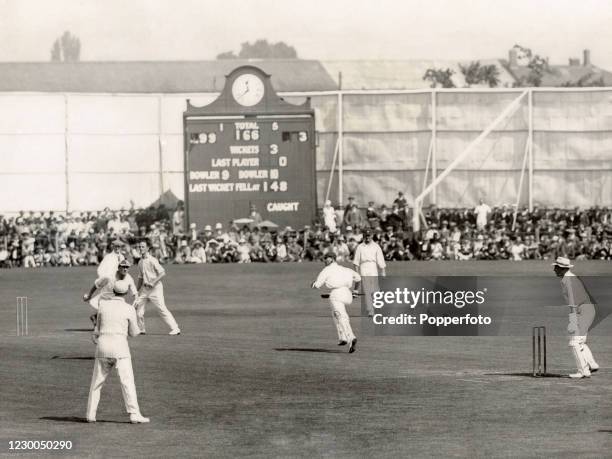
x=587 y=57
x=574 y=62
x=513 y=57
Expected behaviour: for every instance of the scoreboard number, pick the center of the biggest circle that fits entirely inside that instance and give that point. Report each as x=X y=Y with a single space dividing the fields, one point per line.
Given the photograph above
x=273 y=149
x=275 y=126
x=247 y=134
x=282 y=161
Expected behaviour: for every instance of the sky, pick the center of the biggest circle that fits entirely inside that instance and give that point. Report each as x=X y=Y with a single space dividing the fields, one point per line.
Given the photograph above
x=129 y=30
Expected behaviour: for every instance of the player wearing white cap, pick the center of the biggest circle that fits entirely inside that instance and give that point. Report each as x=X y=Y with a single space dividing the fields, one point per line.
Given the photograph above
x=369 y=261
x=582 y=313
x=115 y=321
x=105 y=286
x=151 y=290
x=340 y=281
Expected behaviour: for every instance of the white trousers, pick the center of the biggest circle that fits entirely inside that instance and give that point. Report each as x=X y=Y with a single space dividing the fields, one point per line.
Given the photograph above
x=94 y=302
x=339 y=299
x=155 y=297
x=577 y=342
x=369 y=285
x=102 y=368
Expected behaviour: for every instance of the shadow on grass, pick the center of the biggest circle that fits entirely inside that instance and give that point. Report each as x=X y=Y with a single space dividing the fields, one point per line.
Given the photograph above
x=71 y=358
x=78 y=329
x=308 y=349
x=76 y=419
x=605 y=430
x=529 y=375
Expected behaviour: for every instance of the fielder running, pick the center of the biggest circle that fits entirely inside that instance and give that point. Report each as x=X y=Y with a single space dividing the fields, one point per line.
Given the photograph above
x=369 y=261
x=582 y=313
x=105 y=286
x=151 y=290
x=340 y=281
x=115 y=321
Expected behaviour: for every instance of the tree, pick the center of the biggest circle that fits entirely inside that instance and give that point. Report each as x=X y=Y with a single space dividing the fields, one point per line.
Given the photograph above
x=442 y=77
x=471 y=72
x=261 y=49
x=584 y=81
x=66 y=48
x=538 y=66
x=489 y=74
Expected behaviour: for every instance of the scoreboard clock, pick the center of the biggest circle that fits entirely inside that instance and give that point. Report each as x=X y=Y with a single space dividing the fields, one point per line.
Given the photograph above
x=248 y=147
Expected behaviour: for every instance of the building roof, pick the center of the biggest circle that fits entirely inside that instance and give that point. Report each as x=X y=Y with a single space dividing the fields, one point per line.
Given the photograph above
x=560 y=75
x=401 y=74
x=156 y=77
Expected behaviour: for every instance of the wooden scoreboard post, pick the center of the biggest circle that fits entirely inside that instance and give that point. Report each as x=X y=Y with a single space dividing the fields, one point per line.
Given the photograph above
x=247 y=147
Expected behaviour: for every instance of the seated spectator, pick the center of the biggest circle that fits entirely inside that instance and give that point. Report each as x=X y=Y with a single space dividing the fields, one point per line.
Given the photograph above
x=198 y=253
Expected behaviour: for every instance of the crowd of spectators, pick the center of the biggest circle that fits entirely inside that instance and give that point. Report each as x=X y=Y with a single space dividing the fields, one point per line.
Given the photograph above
x=33 y=239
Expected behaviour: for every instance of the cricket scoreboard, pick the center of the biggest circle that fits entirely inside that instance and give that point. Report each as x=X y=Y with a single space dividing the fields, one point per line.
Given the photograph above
x=248 y=147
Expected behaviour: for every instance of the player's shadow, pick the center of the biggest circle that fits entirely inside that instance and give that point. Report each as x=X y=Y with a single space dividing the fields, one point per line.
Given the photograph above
x=308 y=349
x=78 y=329
x=605 y=431
x=77 y=419
x=71 y=358
x=529 y=375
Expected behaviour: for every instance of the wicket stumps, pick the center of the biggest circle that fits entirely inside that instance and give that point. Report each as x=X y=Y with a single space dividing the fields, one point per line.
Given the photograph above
x=540 y=334
x=22 y=315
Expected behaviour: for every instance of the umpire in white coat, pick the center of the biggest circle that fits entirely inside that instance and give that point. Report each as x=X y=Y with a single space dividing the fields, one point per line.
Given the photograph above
x=369 y=262
x=340 y=281
x=116 y=319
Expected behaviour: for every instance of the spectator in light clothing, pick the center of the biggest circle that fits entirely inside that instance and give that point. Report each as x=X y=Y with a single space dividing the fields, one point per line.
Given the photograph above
x=369 y=261
x=482 y=212
x=116 y=319
x=329 y=216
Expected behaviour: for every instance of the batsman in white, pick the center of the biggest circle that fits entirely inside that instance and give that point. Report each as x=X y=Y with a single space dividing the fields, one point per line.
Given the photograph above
x=105 y=286
x=115 y=321
x=340 y=281
x=151 y=290
x=582 y=313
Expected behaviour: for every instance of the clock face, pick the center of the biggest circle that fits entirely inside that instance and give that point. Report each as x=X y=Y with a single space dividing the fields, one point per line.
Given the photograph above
x=248 y=89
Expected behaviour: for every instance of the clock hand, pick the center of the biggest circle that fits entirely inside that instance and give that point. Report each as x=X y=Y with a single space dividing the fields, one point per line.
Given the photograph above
x=244 y=93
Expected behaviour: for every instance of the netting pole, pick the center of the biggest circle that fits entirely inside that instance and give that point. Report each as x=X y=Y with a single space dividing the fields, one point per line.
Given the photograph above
x=340 y=151
x=434 y=132
x=160 y=145
x=530 y=149
x=520 y=187
x=331 y=172
x=66 y=153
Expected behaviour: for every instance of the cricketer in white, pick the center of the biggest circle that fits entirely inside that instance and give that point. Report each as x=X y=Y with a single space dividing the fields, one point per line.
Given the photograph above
x=116 y=319
x=340 y=281
x=369 y=260
x=151 y=290
x=582 y=313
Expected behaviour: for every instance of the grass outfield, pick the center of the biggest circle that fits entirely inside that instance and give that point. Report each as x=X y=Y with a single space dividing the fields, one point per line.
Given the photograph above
x=257 y=373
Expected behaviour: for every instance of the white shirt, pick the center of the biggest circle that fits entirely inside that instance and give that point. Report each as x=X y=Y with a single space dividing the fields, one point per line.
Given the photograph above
x=369 y=258
x=115 y=320
x=573 y=290
x=329 y=217
x=149 y=269
x=481 y=212
x=335 y=276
